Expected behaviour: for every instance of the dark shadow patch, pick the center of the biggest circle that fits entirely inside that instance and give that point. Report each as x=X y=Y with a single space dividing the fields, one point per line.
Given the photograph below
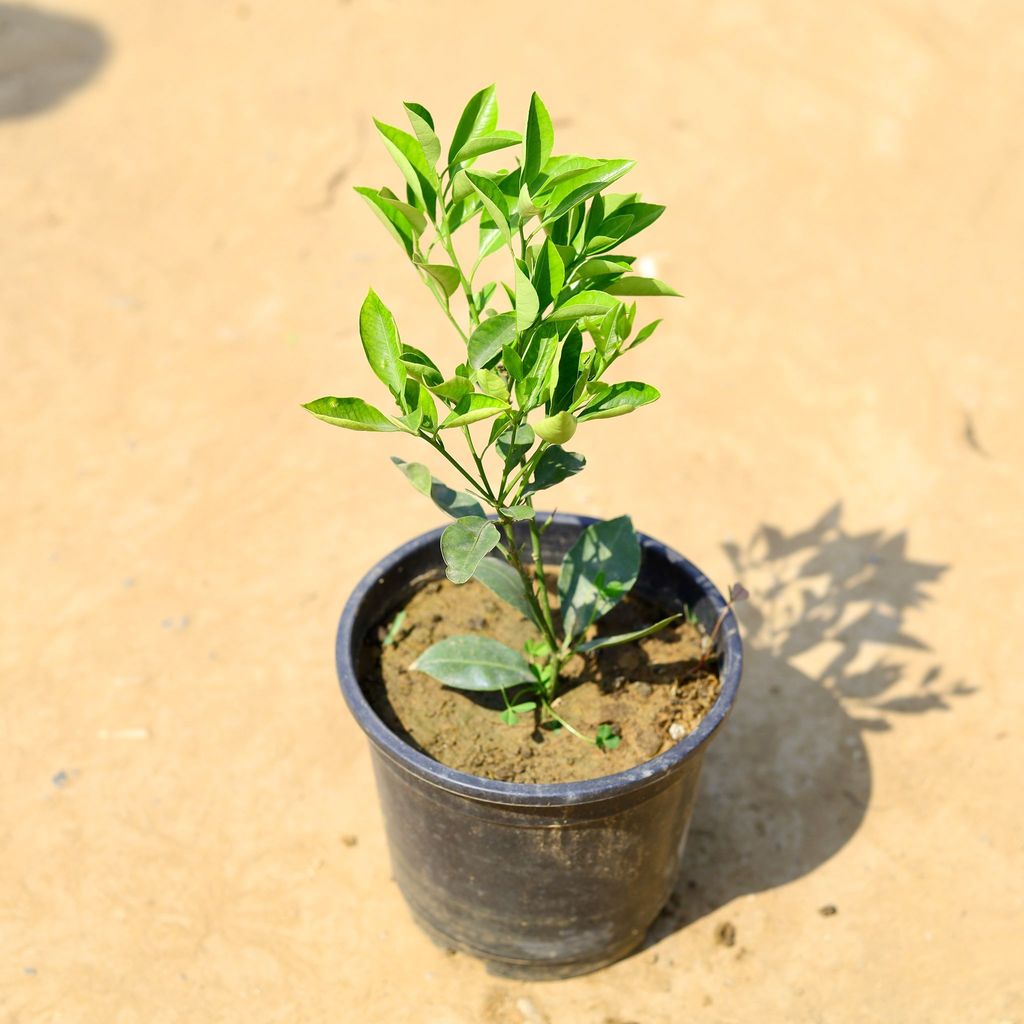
x=44 y=57
x=788 y=782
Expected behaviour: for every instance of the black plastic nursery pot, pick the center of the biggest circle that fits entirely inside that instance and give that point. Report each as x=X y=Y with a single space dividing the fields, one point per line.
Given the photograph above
x=541 y=881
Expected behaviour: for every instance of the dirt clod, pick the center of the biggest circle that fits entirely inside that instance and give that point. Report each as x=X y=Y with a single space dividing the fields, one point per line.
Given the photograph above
x=725 y=934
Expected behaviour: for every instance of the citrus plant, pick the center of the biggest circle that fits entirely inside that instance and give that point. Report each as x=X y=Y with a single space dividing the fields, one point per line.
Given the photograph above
x=539 y=347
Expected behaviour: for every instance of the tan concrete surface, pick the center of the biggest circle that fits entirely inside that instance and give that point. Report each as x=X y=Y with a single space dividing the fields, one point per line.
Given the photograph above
x=181 y=263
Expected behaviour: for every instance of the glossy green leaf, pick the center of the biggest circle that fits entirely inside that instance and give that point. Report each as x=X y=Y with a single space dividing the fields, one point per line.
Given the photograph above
x=644 y=333
x=589 y=303
x=626 y=638
x=554 y=466
x=352 y=413
x=493 y=202
x=519 y=513
x=486 y=342
x=465 y=543
x=620 y=399
x=457 y=504
x=487 y=144
x=598 y=570
x=549 y=274
x=408 y=154
x=379 y=336
x=423 y=126
x=584 y=184
x=527 y=304
x=491 y=383
x=394 y=219
x=474 y=663
x=538 y=139
x=454 y=389
x=640 y=286
x=479 y=118
x=415 y=217
x=472 y=408
x=419 y=365
x=513 y=448
x=598 y=267
x=567 y=374
x=447 y=277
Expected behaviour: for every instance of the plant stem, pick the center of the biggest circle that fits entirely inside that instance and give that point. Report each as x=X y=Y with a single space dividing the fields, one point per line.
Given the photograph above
x=528 y=583
x=538 y=570
x=480 y=467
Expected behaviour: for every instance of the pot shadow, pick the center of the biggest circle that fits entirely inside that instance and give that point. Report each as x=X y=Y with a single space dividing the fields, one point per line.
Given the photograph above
x=788 y=781
x=44 y=57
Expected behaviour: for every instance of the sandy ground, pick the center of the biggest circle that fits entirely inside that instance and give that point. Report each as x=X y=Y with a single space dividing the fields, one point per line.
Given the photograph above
x=181 y=263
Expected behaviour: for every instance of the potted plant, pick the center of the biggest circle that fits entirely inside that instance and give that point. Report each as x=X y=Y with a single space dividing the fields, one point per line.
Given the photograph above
x=538 y=689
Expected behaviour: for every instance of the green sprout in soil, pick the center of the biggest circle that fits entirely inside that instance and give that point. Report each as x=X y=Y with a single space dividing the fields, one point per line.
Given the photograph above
x=539 y=345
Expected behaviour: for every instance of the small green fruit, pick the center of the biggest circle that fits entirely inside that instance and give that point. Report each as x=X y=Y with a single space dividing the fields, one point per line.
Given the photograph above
x=556 y=429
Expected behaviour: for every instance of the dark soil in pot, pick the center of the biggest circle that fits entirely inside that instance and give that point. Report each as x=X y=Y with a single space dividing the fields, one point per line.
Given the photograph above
x=652 y=691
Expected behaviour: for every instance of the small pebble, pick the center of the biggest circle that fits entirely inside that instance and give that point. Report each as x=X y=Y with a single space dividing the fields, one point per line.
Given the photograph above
x=677 y=731
x=350 y=840
x=829 y=910
x=643 y=689
x=725 y=934
x=477 y=622
x=61 y=779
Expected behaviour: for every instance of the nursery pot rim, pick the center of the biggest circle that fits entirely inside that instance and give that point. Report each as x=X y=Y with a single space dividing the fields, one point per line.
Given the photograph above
x=530 y=794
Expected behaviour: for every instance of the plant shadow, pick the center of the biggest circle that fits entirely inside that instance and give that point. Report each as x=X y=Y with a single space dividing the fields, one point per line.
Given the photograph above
x=44 y=57
x=788 y=782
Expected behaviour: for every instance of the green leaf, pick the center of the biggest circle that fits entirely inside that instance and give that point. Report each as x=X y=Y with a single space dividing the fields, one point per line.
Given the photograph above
x=379 y=336
x=486 y=342
x=447 y=277
x=465 y=543
x=640 y=286
x=494 y=203
x=480 y=117
x=539 y=137
x=513 y=363
x=454 y=389
x=519 y=513
x=644 y=333
x=396 y=221
x=554 y=466
x=472 y=408
x=589 y=303
x=597 y=267
x=408 y=154
x=527 y=304
x=625 y=638
x=457 y=504
x=620 y=399
x=487 y=144
x=492 y=384
x=352 y=413
x=568 y=375
x=597 y=571
x=393 y=629
x=419 y=365
x=607 y=738
x=584 y=184
x=549 y=274
x=512 y=449
x=415 y=217
x=474 y=663
x=423 y=125
x=556 y=429
x=502 y=580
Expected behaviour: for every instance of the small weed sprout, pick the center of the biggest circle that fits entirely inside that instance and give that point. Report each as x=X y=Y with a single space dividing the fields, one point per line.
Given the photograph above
x=539 y=345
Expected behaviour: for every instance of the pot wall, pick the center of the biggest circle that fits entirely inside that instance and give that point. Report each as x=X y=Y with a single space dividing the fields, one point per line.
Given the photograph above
x=541 y=880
